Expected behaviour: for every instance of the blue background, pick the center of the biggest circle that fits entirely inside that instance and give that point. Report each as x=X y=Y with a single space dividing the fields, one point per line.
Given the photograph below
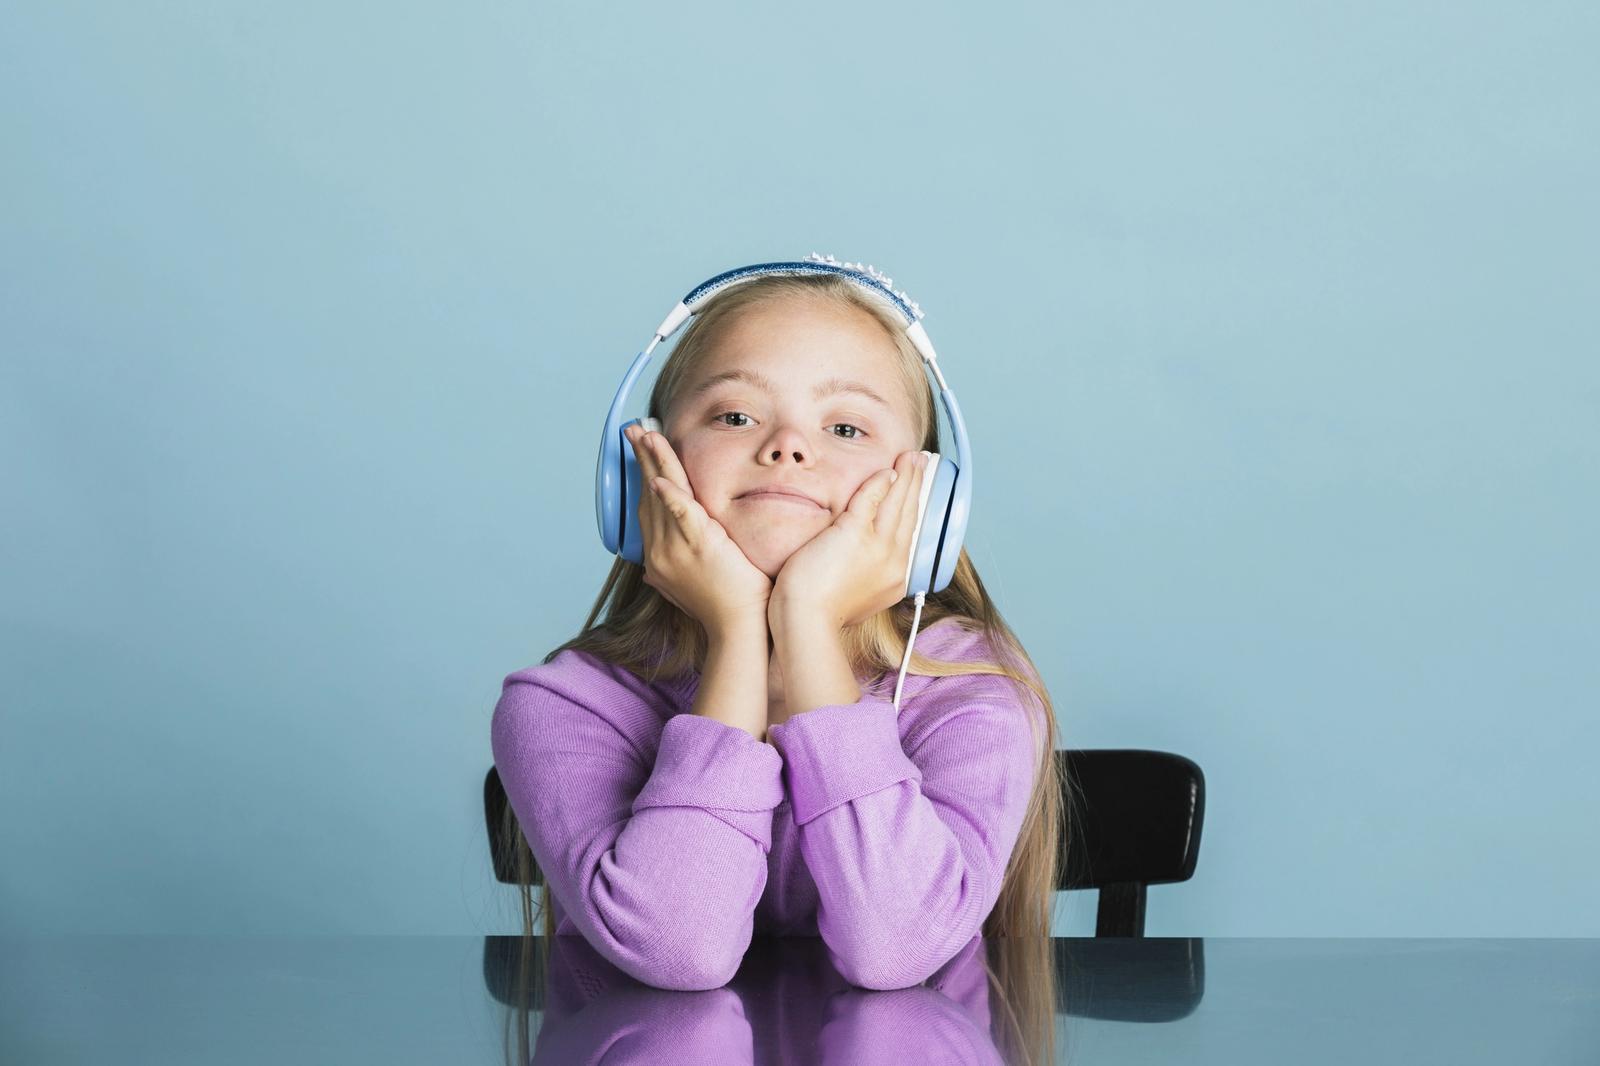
x=1274 y=325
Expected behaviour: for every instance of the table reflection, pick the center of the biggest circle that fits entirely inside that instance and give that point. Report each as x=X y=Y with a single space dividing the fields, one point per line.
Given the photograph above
x=252 y=1000
x=993 y=1003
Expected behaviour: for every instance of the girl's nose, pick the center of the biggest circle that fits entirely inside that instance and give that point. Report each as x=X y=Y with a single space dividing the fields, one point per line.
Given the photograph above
x=787 y=442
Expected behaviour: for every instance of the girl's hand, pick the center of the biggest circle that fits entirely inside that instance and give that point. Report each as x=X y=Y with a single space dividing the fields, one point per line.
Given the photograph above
x=688 y=557
x=857 y=566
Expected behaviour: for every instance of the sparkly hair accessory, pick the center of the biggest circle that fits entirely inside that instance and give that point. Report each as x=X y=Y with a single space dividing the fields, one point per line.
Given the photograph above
x=874 y=273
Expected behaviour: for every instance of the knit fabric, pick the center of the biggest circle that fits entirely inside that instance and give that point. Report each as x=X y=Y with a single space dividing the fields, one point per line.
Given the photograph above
x=667 y=839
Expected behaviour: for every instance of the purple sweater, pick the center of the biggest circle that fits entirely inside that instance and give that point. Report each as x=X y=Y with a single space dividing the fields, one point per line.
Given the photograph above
x=668 y=839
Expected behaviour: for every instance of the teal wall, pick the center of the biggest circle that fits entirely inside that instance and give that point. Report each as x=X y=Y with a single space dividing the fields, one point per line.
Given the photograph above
x=1275 y=327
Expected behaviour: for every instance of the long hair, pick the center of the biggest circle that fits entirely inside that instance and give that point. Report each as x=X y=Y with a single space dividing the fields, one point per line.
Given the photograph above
x=648 y=635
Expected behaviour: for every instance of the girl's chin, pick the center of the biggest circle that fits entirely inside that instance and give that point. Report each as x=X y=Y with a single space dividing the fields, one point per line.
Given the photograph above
x=769 y=549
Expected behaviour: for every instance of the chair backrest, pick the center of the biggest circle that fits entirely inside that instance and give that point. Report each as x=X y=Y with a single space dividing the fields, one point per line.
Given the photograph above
x=1131 y=819
x=502 y=850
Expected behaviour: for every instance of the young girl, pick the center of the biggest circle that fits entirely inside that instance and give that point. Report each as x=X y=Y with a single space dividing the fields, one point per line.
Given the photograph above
x=721 y=756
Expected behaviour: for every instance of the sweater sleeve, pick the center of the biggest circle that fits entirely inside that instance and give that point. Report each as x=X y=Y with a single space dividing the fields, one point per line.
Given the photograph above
x=908 y=846
x=659 y=857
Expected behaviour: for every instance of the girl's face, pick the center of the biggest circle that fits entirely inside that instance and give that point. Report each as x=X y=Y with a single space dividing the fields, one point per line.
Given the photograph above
x=798 y=393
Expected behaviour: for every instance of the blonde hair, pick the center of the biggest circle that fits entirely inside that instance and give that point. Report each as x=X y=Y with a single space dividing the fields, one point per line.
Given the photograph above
x=645 y=633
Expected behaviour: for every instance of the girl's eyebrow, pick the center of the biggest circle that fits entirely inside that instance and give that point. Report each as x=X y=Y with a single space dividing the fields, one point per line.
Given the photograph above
x=830 y=387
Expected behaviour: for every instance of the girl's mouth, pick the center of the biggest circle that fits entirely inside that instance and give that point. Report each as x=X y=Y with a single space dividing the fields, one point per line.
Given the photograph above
x=780 y=497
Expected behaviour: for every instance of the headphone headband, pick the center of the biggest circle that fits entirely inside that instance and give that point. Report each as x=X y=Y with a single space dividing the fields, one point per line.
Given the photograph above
x=867 y=277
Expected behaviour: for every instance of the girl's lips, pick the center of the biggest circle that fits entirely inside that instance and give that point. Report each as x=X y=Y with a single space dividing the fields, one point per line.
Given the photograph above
x=781 y=497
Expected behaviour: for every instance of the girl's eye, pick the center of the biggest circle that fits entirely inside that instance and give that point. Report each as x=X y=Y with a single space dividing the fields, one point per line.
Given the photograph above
x=857 y=433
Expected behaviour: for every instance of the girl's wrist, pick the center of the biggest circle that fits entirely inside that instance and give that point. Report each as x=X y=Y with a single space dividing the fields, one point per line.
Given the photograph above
x=816 y=670
x=791 y=612
x=733 y=685
x=743 y=628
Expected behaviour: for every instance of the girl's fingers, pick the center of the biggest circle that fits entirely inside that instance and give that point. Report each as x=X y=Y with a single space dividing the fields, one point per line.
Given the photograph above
x=679 y=505
x=662 y=493
x=650 y=523
x=892 y=511
x=666 y=459
x=908 y=505
x=647 y=467
x=651 y=446
x=870 y=507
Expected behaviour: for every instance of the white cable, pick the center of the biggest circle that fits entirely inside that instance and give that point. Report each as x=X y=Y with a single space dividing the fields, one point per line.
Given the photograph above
x=911 y=639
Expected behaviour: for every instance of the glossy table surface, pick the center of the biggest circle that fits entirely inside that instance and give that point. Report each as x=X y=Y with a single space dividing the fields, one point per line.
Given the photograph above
x=182 y=999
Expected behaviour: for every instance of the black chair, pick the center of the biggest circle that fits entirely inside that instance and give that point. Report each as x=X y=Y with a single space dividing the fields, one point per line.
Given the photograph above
x=1131 y=819
x=1134 y=821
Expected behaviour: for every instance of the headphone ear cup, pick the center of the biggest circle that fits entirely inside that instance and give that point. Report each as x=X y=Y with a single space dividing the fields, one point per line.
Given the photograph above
x=609 y=489
x=619 y=488
x=937 y=478
x=633 y=535
x=957 y=497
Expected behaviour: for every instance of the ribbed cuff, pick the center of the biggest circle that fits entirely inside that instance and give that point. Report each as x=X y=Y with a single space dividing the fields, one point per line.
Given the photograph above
x=840 y=752
x=718 y=768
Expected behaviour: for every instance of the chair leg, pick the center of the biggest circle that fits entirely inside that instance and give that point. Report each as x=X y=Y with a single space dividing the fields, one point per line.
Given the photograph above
x=1121 y=910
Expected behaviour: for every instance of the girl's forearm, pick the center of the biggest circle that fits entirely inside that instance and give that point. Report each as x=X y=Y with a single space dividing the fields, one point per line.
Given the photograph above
x=733 y=685
x=811 y=660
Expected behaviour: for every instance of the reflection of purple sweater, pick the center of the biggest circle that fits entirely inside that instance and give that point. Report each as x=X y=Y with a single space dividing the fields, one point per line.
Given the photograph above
x=789 y=1007
x=668 y=838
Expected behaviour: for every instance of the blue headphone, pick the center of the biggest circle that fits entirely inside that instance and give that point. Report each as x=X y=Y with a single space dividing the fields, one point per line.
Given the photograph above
x=946 y=488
